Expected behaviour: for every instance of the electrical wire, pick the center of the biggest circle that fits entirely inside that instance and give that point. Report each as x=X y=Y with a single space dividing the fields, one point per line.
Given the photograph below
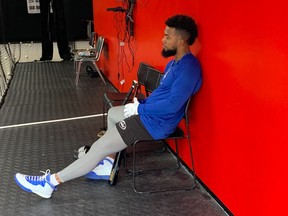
x=124 y=39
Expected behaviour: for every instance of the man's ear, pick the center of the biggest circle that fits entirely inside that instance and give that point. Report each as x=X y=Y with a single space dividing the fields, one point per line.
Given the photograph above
x=181 y=42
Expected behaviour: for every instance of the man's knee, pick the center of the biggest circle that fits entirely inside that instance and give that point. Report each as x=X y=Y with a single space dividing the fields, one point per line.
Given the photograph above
x=116 y=112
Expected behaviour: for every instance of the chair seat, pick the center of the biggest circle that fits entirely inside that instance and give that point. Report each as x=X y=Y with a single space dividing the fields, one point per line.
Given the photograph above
x=78 y=57
x=178 y=133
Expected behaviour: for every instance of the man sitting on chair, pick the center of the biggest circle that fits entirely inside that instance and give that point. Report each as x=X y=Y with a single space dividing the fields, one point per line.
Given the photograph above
x=156 y=117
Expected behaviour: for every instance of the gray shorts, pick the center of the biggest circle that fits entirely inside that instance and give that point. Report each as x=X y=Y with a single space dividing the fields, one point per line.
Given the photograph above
x=132 y=129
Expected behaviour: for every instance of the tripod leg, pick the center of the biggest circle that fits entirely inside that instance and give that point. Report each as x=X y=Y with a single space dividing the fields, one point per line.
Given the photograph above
x=115 y=168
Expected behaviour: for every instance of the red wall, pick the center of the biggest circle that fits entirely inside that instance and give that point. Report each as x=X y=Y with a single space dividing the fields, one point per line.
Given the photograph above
x=240 y=115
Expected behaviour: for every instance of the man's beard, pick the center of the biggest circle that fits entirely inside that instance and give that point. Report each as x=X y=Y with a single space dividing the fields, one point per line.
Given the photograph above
x=168 y=53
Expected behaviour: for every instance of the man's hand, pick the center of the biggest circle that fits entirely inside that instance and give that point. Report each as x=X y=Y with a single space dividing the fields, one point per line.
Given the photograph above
x=131 y=108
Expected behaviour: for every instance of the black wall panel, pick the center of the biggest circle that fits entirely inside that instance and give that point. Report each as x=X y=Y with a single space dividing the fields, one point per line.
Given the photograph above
x=17 y=25
x=77 y=13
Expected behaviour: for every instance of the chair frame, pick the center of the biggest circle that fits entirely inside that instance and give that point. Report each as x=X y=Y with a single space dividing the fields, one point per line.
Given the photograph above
x=78 y=60
x=178 y=134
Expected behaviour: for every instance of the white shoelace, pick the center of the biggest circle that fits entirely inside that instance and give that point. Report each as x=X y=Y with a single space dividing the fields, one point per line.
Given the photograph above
x=38 y=179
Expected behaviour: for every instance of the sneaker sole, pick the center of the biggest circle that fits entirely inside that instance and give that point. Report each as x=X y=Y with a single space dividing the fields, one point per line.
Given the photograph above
x=97 y=177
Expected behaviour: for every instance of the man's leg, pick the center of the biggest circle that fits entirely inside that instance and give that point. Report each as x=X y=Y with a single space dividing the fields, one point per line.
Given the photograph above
x=103 y=170
x=44 y=186
x=61 y=34
x=115 y=114
x=46 y=31
x=110 y=143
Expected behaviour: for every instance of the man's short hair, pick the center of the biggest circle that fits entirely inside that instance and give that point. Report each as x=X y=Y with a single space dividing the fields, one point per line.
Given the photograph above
x=184 y=25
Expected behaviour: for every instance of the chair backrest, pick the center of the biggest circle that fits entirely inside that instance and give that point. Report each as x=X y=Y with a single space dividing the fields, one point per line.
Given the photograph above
x=186 y=114
x=99 y=47
x=186 y=117
x=89 y=28
x=178 y=133
x=92 y=39
x=142 y=72
x=153 y=80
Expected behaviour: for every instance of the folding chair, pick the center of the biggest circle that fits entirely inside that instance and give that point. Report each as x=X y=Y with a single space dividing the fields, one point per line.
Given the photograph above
x=89 y=55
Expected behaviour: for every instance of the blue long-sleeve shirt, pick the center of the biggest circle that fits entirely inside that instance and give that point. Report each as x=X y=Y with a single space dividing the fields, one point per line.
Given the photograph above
x=164 y=108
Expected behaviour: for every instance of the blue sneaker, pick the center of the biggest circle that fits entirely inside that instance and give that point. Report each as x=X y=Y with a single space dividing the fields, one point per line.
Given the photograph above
x=39 y=185
x=102 y=171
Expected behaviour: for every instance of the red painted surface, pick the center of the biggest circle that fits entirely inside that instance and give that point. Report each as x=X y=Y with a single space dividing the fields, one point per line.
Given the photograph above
x=239 y=118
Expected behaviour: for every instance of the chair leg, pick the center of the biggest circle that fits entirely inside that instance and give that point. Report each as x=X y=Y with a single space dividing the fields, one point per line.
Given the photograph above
x=104 y=111
x=177 y=155
x=192 y=163
x=104 y=125
x=134 y=169
x=99 y=72
x=76 y=63
x=78 y=72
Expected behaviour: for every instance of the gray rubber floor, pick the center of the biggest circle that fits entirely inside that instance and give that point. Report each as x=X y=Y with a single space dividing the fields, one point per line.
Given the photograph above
x=38 y=132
